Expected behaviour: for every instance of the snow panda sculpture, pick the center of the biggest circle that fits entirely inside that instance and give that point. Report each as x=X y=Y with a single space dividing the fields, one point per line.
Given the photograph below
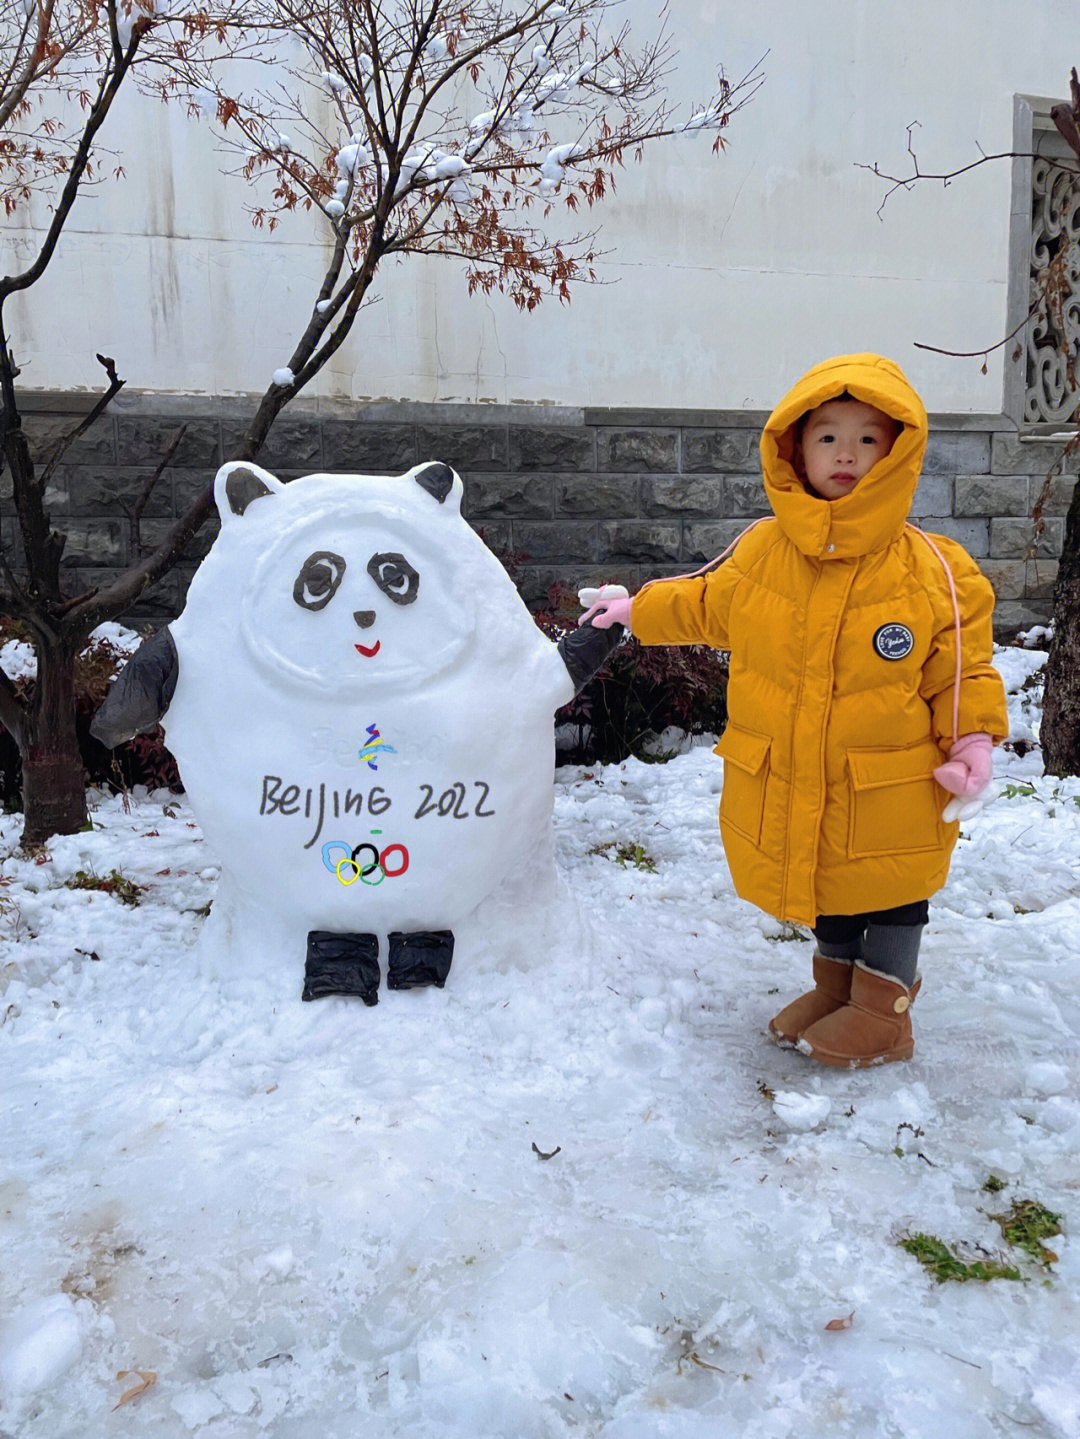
x=362 y=710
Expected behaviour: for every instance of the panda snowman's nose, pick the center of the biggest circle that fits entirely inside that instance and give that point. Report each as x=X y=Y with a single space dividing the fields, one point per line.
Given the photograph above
x=364 y=618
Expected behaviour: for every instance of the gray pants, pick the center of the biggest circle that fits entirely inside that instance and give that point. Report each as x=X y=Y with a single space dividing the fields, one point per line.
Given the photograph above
x=886 y=940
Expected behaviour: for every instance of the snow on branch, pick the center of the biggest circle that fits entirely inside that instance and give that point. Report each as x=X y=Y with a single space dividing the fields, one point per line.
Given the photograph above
x=467 y=130
x=61 y=62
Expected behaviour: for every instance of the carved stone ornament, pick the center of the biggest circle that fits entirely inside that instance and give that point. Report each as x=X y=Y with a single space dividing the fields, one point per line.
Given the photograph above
x=1052 y=338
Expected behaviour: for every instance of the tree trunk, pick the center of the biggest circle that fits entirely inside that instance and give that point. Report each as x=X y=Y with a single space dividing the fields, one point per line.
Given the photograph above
x=54 y=781
x=1060 y=731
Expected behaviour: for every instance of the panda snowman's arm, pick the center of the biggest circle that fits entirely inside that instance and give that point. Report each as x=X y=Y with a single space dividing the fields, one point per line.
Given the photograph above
x=141 y=692
x=586 y=648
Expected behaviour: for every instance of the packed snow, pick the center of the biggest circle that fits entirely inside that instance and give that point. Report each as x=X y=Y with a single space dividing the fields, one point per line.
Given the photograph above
x=578 y=1193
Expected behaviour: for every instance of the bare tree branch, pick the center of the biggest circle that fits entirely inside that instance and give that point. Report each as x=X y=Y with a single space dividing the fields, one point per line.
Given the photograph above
x=906 y=182
x=116 y=384
x=135 y=511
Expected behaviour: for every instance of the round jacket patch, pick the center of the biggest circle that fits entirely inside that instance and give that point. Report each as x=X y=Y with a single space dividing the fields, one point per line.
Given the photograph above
x=894 y=642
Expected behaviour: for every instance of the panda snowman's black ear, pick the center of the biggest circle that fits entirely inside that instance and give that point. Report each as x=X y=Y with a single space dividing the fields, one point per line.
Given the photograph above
x=438 y=480
x=238 y=484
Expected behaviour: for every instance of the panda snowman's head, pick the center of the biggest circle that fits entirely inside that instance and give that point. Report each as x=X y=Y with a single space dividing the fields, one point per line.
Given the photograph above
x=349 y=583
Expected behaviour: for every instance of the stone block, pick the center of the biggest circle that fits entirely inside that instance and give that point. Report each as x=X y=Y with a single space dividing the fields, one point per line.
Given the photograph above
x=1008 y=577
x=187 y=488
x=1058 y=495
x=497 y=535
x=650 y=451
x=551 y=447
x=534 y=582
x=704 y=542
x=1016 y=538
x=554 y=542
x=510 y=497
x=1012 y=455
x=957 y=453
x=1012 y=616
x=727 y=451
x=973 y=534
x=183 y=572
x=292 y=444
x=84 y=490
x=353 y=447
x=145 y=440
x=96 y=447
x=633 y=541
x=1041 y=579
x=598 y=497
x=744 y=497
x=463 y=447
x=676 y=496
x=933 y=496
x=990 y=495
x=156 y=606
x=197 y=548
x=94 y=542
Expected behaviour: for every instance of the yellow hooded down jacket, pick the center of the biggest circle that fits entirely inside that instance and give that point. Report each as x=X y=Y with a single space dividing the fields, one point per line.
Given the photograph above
x=841 y=629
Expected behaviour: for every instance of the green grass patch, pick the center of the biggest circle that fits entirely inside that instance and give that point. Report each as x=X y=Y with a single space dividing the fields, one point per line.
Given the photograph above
x=1026 y=1225
x=125 y=890
x=626 y=854
x=789 y=934
x=944 y=1261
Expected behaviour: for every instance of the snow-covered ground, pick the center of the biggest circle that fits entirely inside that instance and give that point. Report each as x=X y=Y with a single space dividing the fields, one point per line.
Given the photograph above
x=583 y=1197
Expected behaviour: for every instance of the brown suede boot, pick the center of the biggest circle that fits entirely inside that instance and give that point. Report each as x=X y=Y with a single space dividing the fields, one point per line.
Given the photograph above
x=874 y=1027
x=832 y=986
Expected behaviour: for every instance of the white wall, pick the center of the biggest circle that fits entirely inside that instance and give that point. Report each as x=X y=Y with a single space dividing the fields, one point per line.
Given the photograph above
x=727 y=276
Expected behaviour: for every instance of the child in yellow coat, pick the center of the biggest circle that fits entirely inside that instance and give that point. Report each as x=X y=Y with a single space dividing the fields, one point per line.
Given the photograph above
x=861 y=696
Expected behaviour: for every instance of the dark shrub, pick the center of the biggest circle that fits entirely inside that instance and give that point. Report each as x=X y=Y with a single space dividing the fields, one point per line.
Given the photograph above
x=143 y=760
x=638 y=693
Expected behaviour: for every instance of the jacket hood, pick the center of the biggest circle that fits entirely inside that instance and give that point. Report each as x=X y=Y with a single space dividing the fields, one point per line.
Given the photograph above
x=873 y=514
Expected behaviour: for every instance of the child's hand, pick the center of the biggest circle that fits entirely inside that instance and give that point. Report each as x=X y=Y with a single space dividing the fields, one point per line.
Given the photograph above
x=965 y=774
x=607 y=606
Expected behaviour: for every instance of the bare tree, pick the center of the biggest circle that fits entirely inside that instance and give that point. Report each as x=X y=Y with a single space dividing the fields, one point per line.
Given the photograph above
x=406 y=126
x=1052 y=310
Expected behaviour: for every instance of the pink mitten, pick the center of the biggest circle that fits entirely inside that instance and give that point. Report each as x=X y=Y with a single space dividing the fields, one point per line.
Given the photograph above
x=966 y=773
x=607 y=606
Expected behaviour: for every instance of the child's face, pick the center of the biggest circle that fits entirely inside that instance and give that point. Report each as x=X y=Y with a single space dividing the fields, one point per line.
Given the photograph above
x=841 y=441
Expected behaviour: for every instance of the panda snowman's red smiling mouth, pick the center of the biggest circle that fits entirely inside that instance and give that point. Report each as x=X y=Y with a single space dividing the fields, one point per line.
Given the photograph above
x=370 y=651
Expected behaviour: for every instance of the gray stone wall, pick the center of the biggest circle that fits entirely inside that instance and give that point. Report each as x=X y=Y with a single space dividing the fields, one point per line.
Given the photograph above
x=568 y=495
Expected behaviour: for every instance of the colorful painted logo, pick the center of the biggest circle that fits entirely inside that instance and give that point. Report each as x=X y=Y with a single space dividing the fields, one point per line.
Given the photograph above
x=375 y=747
x=344 y=862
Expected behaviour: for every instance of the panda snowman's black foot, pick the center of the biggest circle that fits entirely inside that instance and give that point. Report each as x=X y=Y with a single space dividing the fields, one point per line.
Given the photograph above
x=420 y=957
x=342 y=964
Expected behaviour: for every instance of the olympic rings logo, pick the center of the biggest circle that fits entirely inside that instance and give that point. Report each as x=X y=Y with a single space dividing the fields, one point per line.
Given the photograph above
x=388 y=863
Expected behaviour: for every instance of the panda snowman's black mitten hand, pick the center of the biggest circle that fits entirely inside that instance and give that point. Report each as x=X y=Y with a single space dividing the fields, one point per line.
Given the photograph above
x=140 y=694
x=585 y=649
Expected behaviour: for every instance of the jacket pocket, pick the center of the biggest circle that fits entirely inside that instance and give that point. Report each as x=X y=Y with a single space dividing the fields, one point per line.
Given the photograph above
x=895 y=801
x=746 y=773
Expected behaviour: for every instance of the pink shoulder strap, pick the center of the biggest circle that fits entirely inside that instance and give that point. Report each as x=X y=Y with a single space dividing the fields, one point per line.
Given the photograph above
x=956 y=627
x=705 y=569
x=957 y=630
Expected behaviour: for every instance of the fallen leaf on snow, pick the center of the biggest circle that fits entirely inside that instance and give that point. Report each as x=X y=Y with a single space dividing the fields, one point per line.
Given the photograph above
x=147 y=1380
x=842 y=1323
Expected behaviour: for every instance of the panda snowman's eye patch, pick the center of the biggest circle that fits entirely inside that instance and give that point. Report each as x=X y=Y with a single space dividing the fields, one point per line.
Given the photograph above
x=395 y=577
x=318 y=581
